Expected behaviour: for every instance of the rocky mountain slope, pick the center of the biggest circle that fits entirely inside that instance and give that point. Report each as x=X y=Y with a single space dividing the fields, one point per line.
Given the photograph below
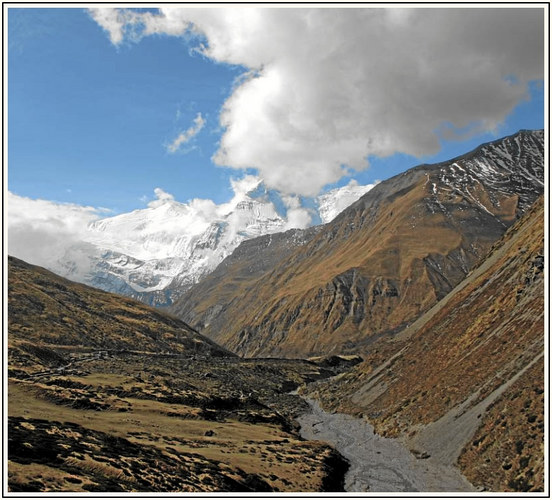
x=106 y=394
x=250 y=261
x=155 y=254
x=465 y=383
x=378 y=265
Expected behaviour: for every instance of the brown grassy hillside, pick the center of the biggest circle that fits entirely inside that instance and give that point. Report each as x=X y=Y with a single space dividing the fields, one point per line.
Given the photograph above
x=108 y=395
x=466 y=380
x=377 y=266
x=49 y=315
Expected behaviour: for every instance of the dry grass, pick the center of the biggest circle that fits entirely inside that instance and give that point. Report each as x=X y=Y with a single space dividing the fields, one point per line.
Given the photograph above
x=44 y=309
x=183 y=415
x=106 y=394
x=466 y=347
x=507 y=452
x=327 y=295
x=51 y=479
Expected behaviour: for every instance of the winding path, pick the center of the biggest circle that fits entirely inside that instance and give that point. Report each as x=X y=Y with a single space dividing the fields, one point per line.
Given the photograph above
x=377 y=463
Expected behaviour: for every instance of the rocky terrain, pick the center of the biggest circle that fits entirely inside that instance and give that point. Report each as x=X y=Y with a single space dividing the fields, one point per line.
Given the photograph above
x=107 y=394
x=377 y=266
x=464 y=383
x=376 y=463
x=250 y=261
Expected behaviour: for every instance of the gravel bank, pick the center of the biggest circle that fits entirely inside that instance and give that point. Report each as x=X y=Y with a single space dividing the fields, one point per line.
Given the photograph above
x=377 y=463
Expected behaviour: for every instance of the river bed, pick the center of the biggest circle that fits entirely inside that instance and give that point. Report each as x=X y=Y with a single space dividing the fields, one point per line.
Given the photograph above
x=378 y=464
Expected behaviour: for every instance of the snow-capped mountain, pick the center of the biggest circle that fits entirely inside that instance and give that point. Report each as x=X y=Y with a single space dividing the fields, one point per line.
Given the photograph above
x=155 y=254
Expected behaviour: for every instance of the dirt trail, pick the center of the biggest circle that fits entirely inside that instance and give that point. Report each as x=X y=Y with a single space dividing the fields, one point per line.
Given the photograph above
x=377 y=463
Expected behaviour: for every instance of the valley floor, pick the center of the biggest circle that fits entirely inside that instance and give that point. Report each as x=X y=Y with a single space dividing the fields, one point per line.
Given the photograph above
x=139 y=423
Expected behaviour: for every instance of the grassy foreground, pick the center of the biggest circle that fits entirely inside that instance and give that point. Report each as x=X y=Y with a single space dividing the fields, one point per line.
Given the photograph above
x=108 y=395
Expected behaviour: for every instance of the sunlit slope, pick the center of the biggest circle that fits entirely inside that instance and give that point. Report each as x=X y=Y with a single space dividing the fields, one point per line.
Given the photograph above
x=466 y=381
x=380 y=264
x=48 y=314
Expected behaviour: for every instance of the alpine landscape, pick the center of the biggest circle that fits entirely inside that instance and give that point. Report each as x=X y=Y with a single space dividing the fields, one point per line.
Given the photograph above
x=309 y=335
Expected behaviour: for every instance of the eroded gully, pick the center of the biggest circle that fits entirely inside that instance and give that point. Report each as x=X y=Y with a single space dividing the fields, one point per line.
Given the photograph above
x=378 y=464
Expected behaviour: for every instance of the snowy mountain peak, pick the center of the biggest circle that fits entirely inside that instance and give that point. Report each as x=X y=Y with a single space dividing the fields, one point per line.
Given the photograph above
x=332 y=203
x=511 y=165
x=157 y=252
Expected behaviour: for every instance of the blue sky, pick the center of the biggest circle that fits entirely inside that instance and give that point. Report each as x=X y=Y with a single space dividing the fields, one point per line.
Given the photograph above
x=90 y=121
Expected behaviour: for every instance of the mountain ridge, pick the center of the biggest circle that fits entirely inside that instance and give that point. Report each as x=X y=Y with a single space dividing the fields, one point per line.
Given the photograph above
x=371 y=270
x=436 y=277
x=464 y=383
x=46 y=309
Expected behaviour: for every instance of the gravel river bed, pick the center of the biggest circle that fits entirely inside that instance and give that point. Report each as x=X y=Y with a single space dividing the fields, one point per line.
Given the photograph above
x=378 y=464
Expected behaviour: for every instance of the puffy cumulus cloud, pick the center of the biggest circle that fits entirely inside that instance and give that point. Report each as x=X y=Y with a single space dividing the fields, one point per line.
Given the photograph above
x=291 y=201
x=197 y=213
x=187 y=135
x=297 y=216
x=113 y=21
x=161 y=196
x=241 y=188
x=40 y=231
x=246 y=184
x=328 y=87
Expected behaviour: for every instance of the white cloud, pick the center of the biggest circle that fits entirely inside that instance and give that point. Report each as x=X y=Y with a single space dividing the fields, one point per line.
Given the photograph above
x=329 y=87
x=112 y=21
x=291 y=201
x=69 y=239
x=297 y=216
x=161 y=196
x=244 y=185
x=187 y=135
x=41 y=231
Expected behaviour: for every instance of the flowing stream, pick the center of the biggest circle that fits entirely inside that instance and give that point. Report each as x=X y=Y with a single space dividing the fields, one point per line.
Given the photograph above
x=378 y=463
